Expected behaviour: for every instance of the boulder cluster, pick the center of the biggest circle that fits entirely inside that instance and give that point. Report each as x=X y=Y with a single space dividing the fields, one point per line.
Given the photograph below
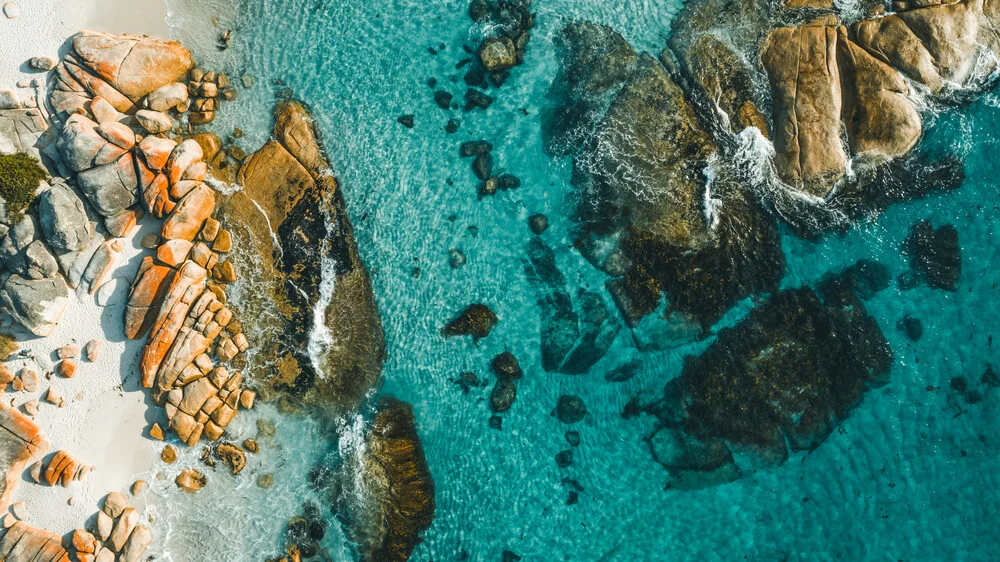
x=116 y=534
x=509 y=23
x=60 y=469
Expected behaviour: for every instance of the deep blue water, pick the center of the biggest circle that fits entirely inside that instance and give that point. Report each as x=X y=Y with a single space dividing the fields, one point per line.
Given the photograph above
x=911 y=474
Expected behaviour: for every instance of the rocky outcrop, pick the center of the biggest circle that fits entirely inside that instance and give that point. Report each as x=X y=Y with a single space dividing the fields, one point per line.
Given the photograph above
x=787 y=373
x=21 y=442
x=293 y=224
x=24 y=542
x=116 y=534
x=595 y=61
x=36 y=304
x=398 y=485
x=801 y=64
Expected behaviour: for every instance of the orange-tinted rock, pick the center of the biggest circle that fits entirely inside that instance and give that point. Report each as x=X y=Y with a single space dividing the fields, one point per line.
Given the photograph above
x=156 y=151
x=123 y=223
x=187 y=218
x=156 y=197
x=66 y=368
x=184 y=155
x=187 y=284
x=23 y=442
x=136 y=65
x=190 y=480
x=146 y=295
x=23 y=542
x=223 y=242
x=174 y=252
x=188 y=345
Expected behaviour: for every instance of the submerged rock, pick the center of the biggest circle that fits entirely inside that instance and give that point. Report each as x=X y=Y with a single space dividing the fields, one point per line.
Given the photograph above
x=571 y=342
x=477 y=321
x=312 y=281
x=935 y=256
x=787 y=373
x=398 y=486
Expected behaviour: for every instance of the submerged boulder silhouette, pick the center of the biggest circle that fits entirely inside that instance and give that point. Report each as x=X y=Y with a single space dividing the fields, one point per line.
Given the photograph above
x=787 y=373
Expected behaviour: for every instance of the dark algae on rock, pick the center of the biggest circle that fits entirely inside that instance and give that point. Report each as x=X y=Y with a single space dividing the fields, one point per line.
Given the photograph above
x=784 y=376
x=303 y=209
x=935 y=256
x=477 y=320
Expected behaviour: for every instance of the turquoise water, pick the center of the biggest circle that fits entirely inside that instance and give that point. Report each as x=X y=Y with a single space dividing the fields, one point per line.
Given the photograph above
x=911 y=474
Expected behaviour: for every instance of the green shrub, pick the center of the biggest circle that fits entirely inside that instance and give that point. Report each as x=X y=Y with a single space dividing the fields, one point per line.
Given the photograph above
x=19 y=177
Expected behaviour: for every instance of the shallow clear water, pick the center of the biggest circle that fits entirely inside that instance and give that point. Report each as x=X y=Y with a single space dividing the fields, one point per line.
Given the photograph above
x=909 y=475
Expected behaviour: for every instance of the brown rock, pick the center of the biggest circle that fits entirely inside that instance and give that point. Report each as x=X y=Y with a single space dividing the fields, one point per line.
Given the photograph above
x=801 y=65
x=104 y=525
x=136 y=65
x=232 y=455
x=265 y=480
x=29 y=379
x=168 y=454
x=223 y=242
x=210 y=230
x=138 y=487
x=123 y=528
x=187 y=218
x=92 y=349
x=247 y=399
x=174 y=252
x=881 y=121
x=145 y=297
x=135 y=546
x=190 y=480
x=251 y=445
x=156 y=151
x=186 y=284
x=114 y=505
x=84 y=542
x=156 y=432
x=53 y=397
x=66 y=368
x=188 y=345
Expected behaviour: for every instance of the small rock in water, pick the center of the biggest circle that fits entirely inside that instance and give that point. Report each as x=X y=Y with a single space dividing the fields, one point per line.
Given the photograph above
x=251 y=445
x=138 y=487
x=483 y=166
x=475 y=148
x=248 y=80
x=169 y=454
x=467 y=380
x=477 y=320
x=190 y=480
x=456 y=258
x=538 y=223
x=910 y=327
x=490 y=186
x=474 y=98
x=572 y=498
x=503 y=395
x=231 y=455
x=990 y=378
x=564 y=459
x=570 y=409
x=509 y=181
x=506 y=365
x=508 y=556
x=452 y=127
x=496 y=422
x=265 y=481
x=406 y=121
x=573 y=438
x=11 y=10
x=443 y=99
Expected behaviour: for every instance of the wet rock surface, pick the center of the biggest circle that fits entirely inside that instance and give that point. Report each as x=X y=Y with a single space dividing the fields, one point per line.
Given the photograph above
x=305 y=214
x=399 y=486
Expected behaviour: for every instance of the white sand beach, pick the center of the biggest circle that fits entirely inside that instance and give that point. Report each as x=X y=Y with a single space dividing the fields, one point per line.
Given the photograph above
x=105 y=415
